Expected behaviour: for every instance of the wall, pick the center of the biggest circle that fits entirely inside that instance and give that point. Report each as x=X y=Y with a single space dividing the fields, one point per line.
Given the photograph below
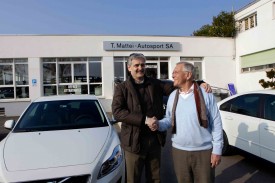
x=218 y=73
x=257 y=39
x=14 y=108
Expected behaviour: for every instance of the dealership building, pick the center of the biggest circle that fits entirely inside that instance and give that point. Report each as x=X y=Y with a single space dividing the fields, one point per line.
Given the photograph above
x=40 y=65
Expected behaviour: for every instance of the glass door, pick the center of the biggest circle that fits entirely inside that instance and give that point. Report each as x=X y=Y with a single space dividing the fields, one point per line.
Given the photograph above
x=156 y=69
x=152 y=70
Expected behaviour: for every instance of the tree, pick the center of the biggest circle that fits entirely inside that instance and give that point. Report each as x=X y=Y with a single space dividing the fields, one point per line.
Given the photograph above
x=270 y=75
x=223 y=25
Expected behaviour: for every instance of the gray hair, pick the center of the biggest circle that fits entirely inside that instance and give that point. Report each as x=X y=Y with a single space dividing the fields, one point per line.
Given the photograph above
x=188 y=67
x=135 y=56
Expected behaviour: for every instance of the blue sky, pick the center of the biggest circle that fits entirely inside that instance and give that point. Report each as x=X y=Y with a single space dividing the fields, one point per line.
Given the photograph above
x=111 y=17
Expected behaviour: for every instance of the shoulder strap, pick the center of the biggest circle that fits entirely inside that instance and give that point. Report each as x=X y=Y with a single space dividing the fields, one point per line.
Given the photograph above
x=200 y=106
x=173 y=119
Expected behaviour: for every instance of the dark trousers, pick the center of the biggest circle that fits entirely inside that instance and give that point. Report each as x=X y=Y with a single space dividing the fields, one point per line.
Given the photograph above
x=149 y=157
x=193 y=166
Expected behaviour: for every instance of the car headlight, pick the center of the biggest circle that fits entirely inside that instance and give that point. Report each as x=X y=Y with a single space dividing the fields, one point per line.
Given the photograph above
x=111 y=163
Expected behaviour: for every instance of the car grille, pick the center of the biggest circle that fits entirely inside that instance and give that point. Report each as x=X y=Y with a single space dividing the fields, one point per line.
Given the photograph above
x=74 y=179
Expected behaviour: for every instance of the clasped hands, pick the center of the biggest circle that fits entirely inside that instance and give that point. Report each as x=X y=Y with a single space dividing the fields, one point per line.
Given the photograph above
x=152 y=123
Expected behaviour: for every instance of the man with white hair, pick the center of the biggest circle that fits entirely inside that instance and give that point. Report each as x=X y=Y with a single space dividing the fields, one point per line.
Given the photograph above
x=197 y=137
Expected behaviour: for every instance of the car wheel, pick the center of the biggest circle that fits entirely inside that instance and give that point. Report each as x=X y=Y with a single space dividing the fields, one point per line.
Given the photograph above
x=226 y=146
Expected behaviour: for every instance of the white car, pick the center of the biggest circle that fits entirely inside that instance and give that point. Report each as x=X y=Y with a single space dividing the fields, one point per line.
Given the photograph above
x=249 y=123
x=62 y=139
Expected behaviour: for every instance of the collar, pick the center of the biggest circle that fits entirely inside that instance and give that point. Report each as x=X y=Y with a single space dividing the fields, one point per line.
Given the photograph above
x=145 y=81
x=191 y=89
x=139 y=82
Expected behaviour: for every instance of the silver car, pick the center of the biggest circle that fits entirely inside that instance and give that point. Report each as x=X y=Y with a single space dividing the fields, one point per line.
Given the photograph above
x=62 y=139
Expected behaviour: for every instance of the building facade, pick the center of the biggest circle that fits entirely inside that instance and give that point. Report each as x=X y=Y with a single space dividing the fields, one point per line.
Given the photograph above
x=41 y=65
x=255 y=44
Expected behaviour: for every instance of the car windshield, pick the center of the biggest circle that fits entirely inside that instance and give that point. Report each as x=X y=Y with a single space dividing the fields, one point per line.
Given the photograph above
x=61 y=115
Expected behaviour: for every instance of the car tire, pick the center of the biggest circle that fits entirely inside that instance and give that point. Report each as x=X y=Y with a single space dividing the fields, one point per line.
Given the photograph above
x=226 y=146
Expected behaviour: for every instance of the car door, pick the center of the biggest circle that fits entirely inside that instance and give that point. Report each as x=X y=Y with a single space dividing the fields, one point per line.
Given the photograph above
x=240 y=122
x=267 y=129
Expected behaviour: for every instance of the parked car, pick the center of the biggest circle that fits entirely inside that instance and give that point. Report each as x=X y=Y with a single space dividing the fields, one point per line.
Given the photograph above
x=249 y=123
x=62 y=139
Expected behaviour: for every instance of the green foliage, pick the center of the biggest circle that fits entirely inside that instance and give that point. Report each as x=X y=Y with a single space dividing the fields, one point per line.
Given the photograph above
x=268 y=84
x=223 y=25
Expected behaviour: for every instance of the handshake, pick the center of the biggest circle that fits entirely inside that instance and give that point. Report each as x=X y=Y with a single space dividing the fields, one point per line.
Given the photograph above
x=152 y=123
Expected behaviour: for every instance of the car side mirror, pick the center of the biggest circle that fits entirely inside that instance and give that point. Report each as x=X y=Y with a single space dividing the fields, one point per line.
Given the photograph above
x=9 y=124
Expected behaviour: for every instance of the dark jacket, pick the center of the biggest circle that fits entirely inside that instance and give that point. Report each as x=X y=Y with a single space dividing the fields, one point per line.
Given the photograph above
x=126 y=108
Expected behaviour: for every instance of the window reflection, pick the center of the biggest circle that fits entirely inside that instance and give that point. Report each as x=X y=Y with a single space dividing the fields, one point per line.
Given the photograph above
x=6 y=76
x=49 y=73
x=95 y=72
x=72 y=76
x=80 y=73
x=269 y=108
x=7 y=93
x=164 y=70
x=151 y=70
x=96 y=90
x=22 y=92
x=198 y=70
x=119 y=71
x=246 y=105
x=21 y=74
x=49 y=90
x=11 y=69
x=65 y=73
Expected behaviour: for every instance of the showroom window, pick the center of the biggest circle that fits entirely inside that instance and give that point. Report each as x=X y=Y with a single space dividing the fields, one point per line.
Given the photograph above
x=80 y=75
x=120 y=69
x=197 y=62
x=14 y=78
x=156 y=67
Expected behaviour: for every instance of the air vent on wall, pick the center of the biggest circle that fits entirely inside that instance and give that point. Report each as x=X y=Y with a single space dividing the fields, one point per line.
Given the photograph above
x=2 y=111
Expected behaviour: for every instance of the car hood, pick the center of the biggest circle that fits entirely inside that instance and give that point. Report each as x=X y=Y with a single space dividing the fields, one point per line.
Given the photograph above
x=49 y=149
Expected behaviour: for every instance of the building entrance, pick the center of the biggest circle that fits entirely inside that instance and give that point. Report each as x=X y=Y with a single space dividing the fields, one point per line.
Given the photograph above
x=152 y=70
x=157 y=69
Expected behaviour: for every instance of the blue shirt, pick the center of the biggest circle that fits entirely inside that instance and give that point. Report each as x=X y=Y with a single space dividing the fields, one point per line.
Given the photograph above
x=190 y=136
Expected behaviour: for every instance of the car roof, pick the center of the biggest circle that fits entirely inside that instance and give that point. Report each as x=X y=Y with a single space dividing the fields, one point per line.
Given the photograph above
x=65 y=97
x=267 y=91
